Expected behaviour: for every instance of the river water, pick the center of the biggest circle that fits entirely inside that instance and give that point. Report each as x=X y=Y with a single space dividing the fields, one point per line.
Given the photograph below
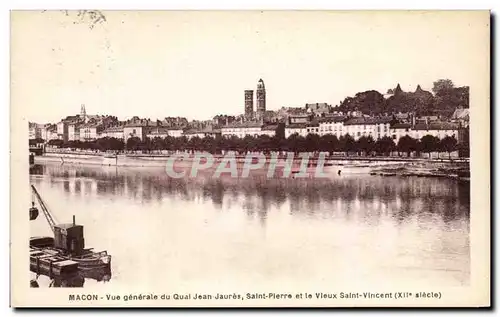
x=342 y=230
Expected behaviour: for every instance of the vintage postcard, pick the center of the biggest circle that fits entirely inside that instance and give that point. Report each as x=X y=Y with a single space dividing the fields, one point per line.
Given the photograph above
x=250 y=158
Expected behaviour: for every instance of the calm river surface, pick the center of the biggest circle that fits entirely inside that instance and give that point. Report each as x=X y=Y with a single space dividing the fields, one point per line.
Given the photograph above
x=203 y=231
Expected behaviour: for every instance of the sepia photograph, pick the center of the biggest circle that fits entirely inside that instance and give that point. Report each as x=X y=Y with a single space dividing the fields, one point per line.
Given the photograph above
x=250 y=158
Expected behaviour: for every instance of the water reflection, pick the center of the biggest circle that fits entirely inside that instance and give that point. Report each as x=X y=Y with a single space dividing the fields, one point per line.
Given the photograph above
x=368 y=196
x=258 y=230
x=76 y=280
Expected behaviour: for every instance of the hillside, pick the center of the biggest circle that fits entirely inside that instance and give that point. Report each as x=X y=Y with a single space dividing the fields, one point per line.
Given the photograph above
x=443 y=102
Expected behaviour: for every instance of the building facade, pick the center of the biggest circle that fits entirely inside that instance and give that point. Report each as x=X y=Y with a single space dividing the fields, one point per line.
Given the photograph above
x=377 y=128
x=332 y=125
x=34 y=131
x=164 y=132
x=134 y=131
x=73 y=131
x=244 y=129
x=113 y=132
x=296 y=128
x=62 y=131
x=89 y=132
x=436 y=129
x=202 y=133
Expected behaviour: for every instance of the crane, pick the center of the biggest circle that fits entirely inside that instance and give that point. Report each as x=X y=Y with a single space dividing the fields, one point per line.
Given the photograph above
x=48 y=216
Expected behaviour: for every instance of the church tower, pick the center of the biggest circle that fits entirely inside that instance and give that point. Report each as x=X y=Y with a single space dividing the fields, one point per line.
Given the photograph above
x=248 y=104
x=261 y=99
x=83 y=113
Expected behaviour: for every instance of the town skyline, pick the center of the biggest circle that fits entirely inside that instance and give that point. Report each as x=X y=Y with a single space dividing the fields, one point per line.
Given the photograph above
x=238 y=112
x=135 y=65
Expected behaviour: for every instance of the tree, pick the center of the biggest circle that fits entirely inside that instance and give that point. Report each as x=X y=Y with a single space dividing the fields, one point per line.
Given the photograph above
x=194 y=143
x=365 y=144
x=296 y=143
x=442 y=84
x=312 y=142
x=385 y=145
x=448 y=144
x=265 y=143
x=370 y=102
x=36 y=141
x=133 y=143
x=347 y=143
x=158 y=143
x=56 y=142
x=251 y=144
x=429 y=143
x=328 y=143
x=280 y=131
x=407 y=144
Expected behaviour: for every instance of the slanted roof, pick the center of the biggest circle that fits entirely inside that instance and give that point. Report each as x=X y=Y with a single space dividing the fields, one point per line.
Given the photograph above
x=332 y=119
x=367 y=121
x=243 y=125
x=270 y=127
x=114 y=129
x=435 y=126
x=296 y=126
x=401 y=126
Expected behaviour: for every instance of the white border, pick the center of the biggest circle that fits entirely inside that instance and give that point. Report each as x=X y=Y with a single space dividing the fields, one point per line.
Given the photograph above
x=173 y=5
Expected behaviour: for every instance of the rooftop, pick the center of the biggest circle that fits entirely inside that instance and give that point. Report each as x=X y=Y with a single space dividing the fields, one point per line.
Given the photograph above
x=196 y=131
x=401 y=126
x=435 y=126
x=161 y=130
x=332 y=119
x=367 y=121
x=114 y=129
x=243 y=125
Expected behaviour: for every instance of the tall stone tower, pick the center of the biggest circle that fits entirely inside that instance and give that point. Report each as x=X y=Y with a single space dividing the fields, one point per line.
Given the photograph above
x=248 y=104
x=261 y=99
x=83 y=113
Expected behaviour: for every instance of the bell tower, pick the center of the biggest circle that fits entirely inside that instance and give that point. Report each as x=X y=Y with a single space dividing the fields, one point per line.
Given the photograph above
x=83 y=113
x=248 y=104
x=261 y=99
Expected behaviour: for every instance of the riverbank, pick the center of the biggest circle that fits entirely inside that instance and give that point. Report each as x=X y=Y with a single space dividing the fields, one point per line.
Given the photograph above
x=381 y=166
x=460 y=171
x=109 y=159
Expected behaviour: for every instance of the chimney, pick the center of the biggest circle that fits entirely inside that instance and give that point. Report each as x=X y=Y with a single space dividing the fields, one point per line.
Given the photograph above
x=74 y=221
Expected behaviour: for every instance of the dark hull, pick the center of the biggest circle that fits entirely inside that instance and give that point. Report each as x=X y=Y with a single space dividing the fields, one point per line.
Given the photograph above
x=88 y=260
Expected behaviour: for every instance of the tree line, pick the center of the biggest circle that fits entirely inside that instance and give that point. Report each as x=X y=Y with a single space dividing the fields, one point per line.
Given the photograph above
x=365 y=145
x=443 y=102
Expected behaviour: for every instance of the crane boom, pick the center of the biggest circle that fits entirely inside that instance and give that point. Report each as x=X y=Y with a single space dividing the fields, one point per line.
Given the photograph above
x=45 y=210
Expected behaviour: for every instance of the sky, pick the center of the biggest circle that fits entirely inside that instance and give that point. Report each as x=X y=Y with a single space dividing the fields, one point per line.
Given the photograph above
x=195 y=64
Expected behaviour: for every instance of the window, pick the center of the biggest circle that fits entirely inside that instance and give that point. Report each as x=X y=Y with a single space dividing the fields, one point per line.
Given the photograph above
x=394 y=137
x=133 y=131
x=406 y=130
